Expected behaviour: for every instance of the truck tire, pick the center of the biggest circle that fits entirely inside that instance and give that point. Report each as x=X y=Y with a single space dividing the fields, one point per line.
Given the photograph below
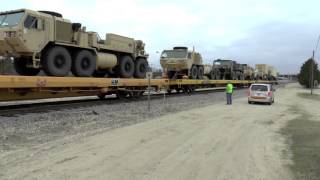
x=20 y=66
x=126 y=67
x=171 y=74
x=233 y=76
x=84 y=64
x=193 y=72
x=218 y=75
x=141 y=67
x=200 y=72
x=212 y=75
x=57 y=62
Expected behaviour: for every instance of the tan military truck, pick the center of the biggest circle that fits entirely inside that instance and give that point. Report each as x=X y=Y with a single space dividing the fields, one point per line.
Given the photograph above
x=179 y=62
x=248 y=72
x=261 y=71
x=272 y=73
x=45 y=40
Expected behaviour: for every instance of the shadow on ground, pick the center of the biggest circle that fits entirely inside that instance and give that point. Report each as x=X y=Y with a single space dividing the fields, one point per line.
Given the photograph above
x=309 y=96
x=303 y=134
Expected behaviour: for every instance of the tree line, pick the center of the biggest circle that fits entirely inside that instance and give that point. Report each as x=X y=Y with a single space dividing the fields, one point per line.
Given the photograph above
x=305 y=74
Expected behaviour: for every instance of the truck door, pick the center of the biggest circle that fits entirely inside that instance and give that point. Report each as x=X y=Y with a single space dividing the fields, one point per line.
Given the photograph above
x=35 y=37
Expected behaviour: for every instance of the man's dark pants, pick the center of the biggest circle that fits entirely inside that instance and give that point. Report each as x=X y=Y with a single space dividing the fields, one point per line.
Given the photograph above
x=229 y=98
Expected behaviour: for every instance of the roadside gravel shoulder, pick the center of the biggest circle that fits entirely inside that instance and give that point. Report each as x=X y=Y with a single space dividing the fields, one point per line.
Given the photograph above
x=32 y=128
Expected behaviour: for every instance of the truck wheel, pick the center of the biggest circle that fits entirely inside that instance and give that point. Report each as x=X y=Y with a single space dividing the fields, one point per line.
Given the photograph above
x=20 y=66
x=200 y=72
x=171 y=74
x=141 y=67
x=84 y=64
x=233 y=76
x=212 y=75
x=194 y=72
x=126 y=67
x=218 y=75
x=57 y=62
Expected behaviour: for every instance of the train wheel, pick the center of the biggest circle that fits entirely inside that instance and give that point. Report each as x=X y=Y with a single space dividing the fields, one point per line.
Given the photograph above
x=136 y=94
x=194 y=72
x=20 y=66
x=126 y=67
x=141 y=67
x=200 y=72
x=57 y=62
x=101 y=96
x=121 y=94
x=84 y=64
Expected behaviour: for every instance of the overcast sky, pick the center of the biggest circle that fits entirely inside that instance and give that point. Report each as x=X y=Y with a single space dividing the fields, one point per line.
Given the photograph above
x=278 y=32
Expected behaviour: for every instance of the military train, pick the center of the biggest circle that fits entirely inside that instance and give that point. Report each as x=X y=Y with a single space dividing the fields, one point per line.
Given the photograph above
x=181 y=63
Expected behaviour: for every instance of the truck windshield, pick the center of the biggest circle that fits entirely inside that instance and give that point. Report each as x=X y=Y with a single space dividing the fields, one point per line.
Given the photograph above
x=11 y=19
x=222 y=62
x=174 y=54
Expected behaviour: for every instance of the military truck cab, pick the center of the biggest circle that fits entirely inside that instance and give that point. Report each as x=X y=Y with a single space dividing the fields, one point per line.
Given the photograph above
x=180 y=62
x=44 y=40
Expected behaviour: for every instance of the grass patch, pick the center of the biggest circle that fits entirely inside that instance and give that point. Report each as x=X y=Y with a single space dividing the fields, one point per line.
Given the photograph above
x=309 y=96
x=304 y=139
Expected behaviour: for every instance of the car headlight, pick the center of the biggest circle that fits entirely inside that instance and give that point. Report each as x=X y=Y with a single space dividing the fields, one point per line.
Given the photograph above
x=10 y=34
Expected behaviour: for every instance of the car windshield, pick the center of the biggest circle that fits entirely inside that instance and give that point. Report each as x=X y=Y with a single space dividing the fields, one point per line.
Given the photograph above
x=11 y=19
x=259 y=88
x=174 y=54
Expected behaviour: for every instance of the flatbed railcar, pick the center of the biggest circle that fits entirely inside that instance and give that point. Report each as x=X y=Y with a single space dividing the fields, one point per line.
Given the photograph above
x=13 y=88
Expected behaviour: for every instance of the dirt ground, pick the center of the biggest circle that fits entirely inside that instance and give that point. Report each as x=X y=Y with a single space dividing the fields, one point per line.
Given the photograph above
x=207 y=141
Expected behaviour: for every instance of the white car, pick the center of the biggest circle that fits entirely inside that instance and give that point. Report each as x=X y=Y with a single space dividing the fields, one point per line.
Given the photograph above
x=261 y=93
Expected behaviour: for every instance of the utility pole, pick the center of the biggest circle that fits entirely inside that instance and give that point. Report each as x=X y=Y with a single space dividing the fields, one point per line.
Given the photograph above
x=312 y=65
x=149 y=76
x=312 y=62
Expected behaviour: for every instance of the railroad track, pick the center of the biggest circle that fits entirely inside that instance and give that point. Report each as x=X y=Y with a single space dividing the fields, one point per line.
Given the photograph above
x=41 y=106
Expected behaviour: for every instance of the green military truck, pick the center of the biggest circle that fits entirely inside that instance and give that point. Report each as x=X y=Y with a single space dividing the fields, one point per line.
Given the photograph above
x=44 y=40
x=227 y=70
x=180 y=62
